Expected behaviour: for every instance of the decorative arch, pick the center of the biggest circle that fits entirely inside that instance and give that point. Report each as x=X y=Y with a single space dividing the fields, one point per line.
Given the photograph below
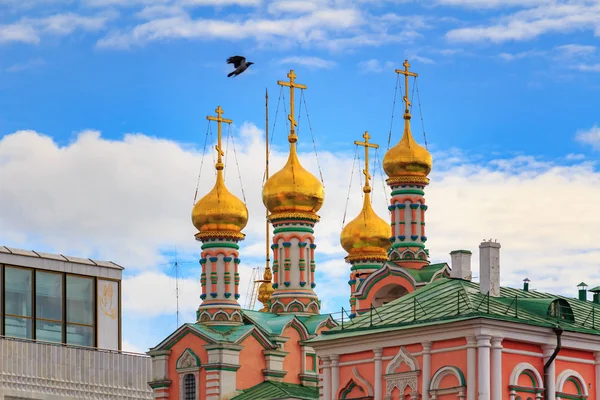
x=434 y=387
x=188 y=369
x=298 y=326
x=366 y=286
x=403 y=356
x=295 y=306
x=402 y=380
x=537 y=383
x=221 y=316
x=277 y=308
x=570 y=375
x=355 y=380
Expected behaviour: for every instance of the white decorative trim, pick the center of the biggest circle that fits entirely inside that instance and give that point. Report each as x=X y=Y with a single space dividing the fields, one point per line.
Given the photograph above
x=523 y=352
x=358 y=380
x=566 y=374
x=403 y=356
x=402 y=381
x=196 y=373
x=444 y=372
x=522 y=367
x=576 y=360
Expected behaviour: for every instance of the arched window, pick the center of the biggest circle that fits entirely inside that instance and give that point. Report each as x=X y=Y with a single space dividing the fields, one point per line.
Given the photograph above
x=189 y=387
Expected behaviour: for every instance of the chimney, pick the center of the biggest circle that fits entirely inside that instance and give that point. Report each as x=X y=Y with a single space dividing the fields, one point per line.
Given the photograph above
x=526 y=285
x=489 y=268
x=596 y=292
x=582 y=291
x=461 y=264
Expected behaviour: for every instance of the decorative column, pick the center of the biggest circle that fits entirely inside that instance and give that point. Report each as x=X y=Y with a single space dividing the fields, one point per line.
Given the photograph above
x=219 y=217
x=483 y=366
x=378 y=374
x=496 y=369
x=335 y=376
x=426 y=379
x=550 y=388
x=407 y=165
x=471 y=368
x=293 y=196
x=326 y=392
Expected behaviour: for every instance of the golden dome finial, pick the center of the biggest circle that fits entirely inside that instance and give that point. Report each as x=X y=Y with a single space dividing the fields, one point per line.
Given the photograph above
x=219 y=213
x=407 y=161
x=265 y=290
x=366 y=237
x=293 y=191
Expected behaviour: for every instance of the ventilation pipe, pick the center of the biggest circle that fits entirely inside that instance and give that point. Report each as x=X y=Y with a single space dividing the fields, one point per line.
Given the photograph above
x=582 y=291
x=526 y=285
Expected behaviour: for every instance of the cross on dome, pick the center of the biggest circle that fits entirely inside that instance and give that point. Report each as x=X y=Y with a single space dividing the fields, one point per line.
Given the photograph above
x=292 y=138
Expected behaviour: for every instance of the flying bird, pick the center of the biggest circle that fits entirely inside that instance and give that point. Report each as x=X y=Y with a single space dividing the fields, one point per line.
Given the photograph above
x=239 y=63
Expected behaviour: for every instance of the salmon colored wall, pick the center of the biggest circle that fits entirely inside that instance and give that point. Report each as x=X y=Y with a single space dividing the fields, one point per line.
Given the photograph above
x=390 y=279
x=586 y=355
x=511 y=344
x=293 y=361
x=365 y=370
x=587 y=371
x=442 y=344
x=252 y=361
x=196 y=344
x=510 y=361
x=357 y=356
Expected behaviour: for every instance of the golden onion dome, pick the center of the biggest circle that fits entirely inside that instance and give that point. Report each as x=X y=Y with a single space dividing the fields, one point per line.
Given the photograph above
x=265 y=290
x=219 y=213
x=293 y=191
x=366 y=237
x=407 y=159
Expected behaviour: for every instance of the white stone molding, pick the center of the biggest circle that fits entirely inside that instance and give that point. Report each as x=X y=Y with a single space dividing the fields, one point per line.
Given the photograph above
x=359 y=381
x=551 y=382
x=378 y=366
x=402 y=381
x=483 y=366
x=188 y=364
x=426 y=369
x=471 y=367
x=496 y=368
x=335 y=375
x=568 y=373
x=436 y=380
x=522 y=367
x=405 y=357
x=326 y=374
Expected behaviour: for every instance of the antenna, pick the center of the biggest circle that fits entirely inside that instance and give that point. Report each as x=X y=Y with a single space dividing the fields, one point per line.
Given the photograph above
x=176 y=266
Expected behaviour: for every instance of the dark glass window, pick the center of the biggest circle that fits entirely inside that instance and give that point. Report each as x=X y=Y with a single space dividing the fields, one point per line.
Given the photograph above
x=18 y=298
x=80 y=310
x=49 y=306
x=189 y=383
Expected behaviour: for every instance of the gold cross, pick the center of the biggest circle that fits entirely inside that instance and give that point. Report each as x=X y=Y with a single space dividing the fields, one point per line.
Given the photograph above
x=406 y=74
x=292 y=85
x=366 y=145
x=219 y=147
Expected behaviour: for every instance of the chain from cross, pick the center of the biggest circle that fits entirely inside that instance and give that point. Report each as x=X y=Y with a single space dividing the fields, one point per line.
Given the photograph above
x=219 y=147
x=406 y=74
x=292 y=85
x=366 y=145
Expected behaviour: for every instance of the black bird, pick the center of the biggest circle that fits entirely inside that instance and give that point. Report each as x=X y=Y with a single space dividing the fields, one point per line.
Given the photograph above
x=239 y=63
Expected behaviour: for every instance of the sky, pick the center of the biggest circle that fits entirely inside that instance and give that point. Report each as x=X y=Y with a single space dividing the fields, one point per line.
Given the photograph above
x=104 y=138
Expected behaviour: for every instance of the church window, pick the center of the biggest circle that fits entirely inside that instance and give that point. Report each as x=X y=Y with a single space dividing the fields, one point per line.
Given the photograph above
x=189 y=382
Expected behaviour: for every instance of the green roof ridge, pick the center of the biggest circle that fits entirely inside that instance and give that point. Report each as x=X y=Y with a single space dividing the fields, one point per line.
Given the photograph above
x=269 y=390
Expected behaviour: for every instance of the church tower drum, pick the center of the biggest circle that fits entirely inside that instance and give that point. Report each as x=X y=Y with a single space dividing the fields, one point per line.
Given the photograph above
x=407 y=165
x=293 y=196
x=219 y=217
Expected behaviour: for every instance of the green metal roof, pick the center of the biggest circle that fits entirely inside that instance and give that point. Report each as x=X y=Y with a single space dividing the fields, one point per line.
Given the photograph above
x=312 y=322
x=425 y=274
x=222 y=333
x=278 y=390
x=273 y=324
x=451 y=300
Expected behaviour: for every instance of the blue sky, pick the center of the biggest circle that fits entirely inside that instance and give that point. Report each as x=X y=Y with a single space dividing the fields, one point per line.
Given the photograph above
x=102 y=123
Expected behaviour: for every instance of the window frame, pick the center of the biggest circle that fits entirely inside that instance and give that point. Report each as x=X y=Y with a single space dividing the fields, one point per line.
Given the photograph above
x=94 y=324
x=63 y=290
x=33 y=310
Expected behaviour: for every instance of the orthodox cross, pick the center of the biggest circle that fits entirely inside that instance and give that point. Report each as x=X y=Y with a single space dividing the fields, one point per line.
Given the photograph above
x=292 y=85
x=366 y=145
x=406 y=74
x=219 y=147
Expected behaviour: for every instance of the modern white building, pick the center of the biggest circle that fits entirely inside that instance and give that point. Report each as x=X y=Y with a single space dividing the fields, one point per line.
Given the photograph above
x=60 y=330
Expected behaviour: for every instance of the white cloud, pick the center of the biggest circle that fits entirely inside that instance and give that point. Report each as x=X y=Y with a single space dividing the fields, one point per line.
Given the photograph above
x=374 y=65
x=590 y=136
x=221 y=3
x=311 y=62
x=421 y=59
x=575 y=50
x=291 y=6
x=491 y=3
x=521 y=55
x=546 y=17
x=587 y=67
x=160 y=11
x=29 y=30
x=130 y=200
x=23 y=66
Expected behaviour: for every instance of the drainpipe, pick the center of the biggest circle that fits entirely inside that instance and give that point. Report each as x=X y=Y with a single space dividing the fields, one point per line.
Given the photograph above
x=558 y=331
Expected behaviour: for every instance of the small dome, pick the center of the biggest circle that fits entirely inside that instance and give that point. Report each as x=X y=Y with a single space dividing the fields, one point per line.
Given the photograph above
x=219 y=212
x=366 y=237
x=407 y=158
x=293 y=190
